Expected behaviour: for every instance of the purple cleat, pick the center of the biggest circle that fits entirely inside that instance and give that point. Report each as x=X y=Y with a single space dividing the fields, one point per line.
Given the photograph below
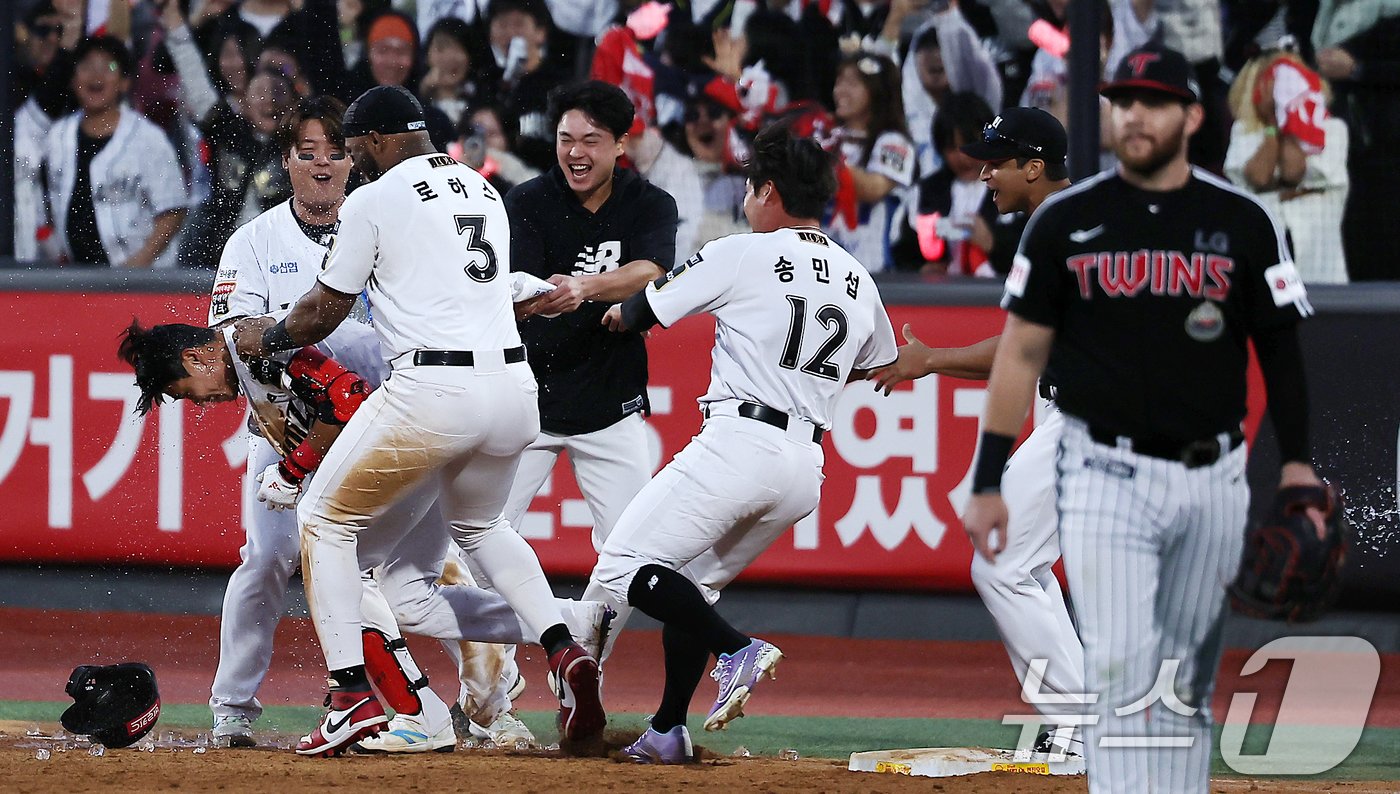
x=671 y=747
x=737 y=675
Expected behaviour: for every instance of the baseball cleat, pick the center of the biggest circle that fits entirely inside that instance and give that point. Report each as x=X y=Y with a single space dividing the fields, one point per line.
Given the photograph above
x=351 y=715
x=233 y=730
x=738 y=674
x=506 y=732
x=517 y=687
x=581 y=715
x=671 y=747
x=589 y=622
x=409 y=734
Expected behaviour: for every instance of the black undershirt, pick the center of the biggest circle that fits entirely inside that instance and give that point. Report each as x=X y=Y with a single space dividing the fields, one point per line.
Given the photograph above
x=318 y=233
x=83 y=239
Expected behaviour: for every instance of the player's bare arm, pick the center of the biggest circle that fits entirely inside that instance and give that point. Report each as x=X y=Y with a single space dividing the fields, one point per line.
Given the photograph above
x=1020 y=358
x=571 y=292
x=916 y=359
x=312 y=319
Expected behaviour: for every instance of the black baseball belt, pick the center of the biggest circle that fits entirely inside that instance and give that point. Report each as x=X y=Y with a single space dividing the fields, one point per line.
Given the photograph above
x=770 y=416
x=461 y=358
x=1192 y=454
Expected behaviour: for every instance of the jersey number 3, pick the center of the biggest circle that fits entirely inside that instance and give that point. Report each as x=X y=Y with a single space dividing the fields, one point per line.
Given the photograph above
x=474 y=227
x=834 y=320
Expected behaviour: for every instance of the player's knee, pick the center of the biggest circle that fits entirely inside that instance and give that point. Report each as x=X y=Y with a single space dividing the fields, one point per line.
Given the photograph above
x=469 y=536
x=614 y=574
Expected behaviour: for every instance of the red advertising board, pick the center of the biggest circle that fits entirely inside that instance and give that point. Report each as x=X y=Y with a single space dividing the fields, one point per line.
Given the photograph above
x=83 y=480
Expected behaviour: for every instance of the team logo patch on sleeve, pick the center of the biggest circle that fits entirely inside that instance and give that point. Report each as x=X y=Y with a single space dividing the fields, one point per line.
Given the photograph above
x=1016 y=279
x=218 y=302
x=1286 y=286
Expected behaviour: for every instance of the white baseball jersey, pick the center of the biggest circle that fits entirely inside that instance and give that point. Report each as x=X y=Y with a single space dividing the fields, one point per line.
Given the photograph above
x=430 y=242
x=267 y=264
x=794 y=314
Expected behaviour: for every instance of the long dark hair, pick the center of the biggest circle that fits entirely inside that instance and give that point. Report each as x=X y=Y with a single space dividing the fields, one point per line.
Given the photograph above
x=882 y=81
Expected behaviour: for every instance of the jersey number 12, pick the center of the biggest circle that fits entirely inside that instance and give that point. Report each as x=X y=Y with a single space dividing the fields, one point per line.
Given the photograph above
x=474 y=227
x=834 y=320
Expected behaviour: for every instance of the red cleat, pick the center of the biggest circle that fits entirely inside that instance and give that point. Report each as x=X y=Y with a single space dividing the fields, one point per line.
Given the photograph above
x=351 y=715
x=581 y=715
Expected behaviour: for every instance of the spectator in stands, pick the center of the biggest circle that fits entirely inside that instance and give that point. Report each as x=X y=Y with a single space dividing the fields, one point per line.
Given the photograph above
x=246 y=174
x=391 y=58
x=664 y=166
x=520 y=76
x=1192 y=28
x=707 y=125
x=114 y=186
x=878 y=157
x=40 y=90
x=355 y=16
x=954 y=211
x=498 y=131
x=1295 y=165
x=1358 y=49
x=944 y=57
x=447 y=85
x=1047 y=87
x=230 y=52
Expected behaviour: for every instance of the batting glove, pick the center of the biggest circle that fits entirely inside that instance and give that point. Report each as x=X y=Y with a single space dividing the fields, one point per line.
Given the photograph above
x=279 y=491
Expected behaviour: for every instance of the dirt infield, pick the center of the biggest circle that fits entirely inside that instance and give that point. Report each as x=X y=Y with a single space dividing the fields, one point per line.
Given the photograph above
x=262 y=770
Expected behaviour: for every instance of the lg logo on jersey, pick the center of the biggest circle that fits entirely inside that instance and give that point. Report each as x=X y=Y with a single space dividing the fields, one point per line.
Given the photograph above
x=600 y=258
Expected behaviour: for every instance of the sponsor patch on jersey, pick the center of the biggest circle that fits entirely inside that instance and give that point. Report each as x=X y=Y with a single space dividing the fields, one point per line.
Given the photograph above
x=226 y=274
x=812 y=237
x=894 y=158
x=1113 y=468
x=440 y=160
x=282 y=268
x=1285 y=285
x=417 y=125
x=218 y=300
x=1016 y=279
x=1205 y=323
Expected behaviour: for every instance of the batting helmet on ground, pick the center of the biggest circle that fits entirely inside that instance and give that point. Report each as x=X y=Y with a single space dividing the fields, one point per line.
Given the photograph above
x=115 y=705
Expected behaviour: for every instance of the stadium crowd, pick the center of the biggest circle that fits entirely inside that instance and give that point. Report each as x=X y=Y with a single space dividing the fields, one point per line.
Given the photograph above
x=144 y=129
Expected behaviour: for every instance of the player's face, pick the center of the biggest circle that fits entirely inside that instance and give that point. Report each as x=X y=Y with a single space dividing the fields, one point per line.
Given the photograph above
x=1007 y=181
x=363 y=159
x=586 y=152
x=851 y=97
x=210 y=378
x=390 y=61
x=319 y=168
x=98 y=82
x=1150 y=129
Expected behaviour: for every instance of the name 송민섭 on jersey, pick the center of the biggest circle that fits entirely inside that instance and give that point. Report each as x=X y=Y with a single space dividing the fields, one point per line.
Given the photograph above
x=794 y=314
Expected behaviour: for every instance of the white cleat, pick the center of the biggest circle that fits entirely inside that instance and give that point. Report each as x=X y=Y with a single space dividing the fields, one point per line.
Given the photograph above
x=233 y=730
x=507 y=732
x=410 y=734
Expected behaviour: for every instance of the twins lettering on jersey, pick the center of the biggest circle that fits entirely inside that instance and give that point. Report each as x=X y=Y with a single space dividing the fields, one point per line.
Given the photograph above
x=1123 y=274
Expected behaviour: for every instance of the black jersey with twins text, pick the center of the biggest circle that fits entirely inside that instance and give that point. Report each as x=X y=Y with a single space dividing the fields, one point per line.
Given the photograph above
x=1153 y=296
x=590 y=377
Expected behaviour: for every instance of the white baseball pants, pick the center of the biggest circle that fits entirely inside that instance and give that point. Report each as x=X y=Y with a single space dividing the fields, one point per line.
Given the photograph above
x=1149 y=547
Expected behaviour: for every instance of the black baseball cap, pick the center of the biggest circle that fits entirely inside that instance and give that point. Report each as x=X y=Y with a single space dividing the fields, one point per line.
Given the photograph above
x=1157 y=69
x=1021 y=132
x=385 y=109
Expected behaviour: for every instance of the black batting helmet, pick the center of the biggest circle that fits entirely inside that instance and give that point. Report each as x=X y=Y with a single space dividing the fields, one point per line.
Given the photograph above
x=115 y=705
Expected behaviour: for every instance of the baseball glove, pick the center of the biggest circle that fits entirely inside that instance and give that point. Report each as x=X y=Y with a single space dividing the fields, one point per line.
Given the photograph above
x=1287 y=573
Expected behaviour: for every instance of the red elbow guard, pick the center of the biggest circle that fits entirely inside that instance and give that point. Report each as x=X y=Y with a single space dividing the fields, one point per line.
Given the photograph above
x=334 y=390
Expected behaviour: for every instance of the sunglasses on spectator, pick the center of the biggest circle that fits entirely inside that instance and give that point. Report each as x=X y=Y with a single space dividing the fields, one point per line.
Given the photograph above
x=693 y=113
x=990 y=135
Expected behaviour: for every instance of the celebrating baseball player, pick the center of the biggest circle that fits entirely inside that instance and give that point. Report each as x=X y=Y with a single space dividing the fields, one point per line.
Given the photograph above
x=429 y=239
x=796 y=316
x=1141 y=288
x=1023 y=151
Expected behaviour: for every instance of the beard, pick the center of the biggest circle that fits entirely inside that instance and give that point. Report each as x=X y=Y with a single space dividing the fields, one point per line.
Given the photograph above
x=1159 y=155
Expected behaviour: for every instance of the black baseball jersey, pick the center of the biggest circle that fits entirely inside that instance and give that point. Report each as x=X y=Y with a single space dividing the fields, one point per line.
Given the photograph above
x=590 y=377
x=1153 y=296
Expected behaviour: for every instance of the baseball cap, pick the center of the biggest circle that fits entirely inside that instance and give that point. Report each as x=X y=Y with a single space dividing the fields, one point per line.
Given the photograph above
x=1021 y=132
x=385 y=109
x=1153 y=67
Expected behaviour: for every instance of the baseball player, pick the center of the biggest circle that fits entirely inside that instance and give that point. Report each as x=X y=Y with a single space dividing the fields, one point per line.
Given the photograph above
x=298 y=402
x=1142 y=288
x=796 y=317
x=600 y=234
x=429 y=239
x=1023 y=151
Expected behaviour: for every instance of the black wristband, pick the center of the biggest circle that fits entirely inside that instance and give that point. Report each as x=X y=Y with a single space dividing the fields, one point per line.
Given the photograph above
x=992 y=455
x=276 y=339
